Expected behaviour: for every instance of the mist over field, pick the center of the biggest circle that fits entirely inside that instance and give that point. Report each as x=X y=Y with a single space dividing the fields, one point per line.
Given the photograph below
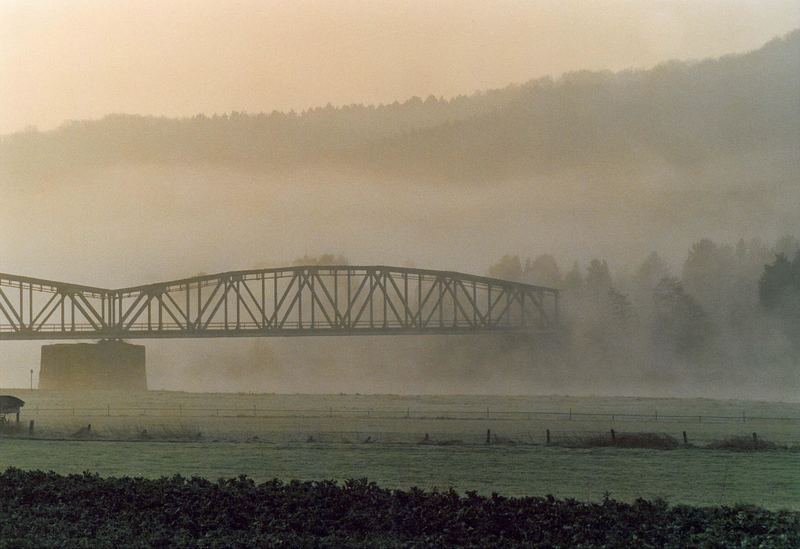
x=380 y=274
x=572 y=181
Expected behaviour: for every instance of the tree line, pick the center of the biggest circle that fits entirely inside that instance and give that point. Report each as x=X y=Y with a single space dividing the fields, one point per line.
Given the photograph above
x=723 y=298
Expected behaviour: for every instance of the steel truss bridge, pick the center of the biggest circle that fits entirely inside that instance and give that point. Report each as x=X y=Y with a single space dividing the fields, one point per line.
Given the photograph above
x=292 y=301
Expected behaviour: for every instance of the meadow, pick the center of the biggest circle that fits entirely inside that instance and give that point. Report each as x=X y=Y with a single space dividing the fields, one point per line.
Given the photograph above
x=425 y=441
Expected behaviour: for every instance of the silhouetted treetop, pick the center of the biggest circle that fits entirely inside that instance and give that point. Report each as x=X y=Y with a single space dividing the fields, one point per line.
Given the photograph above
x=779 y=285
x=543 y=271
x=508 y=267
x=681 y=323
x=652 y=270
x=598 y=278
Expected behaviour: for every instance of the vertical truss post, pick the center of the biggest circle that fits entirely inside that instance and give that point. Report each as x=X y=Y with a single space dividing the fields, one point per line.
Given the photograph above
x=337 y=317
x=263 y=301
x=275 y=296
x=454 y=295
x=406 y=300
x=188 y=314
x=21 y=309
x=313 y=300
x=238 y=302
x=30 y=306
x=385 y=291
x=419 y=300
x=349 y=300
x=199 y=321
x=488 y=304
x=225 y=302
x=371 y=275
x=300 y=285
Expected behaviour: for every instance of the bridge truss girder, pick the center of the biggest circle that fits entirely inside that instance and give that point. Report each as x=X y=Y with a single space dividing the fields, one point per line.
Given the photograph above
x=294 y=301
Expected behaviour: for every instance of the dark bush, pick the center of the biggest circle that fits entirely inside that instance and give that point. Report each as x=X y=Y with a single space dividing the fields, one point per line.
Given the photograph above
x=743 y=444
x=655 y=441
x=40 y=509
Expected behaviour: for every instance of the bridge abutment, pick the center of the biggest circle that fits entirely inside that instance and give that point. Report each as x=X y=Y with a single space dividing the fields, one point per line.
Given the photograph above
x=107 y=365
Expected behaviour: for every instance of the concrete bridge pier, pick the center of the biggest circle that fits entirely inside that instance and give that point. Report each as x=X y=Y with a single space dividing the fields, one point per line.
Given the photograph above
x=108 y=365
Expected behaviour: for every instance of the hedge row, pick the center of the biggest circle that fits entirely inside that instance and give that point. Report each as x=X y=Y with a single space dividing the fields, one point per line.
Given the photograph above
x=40 y=509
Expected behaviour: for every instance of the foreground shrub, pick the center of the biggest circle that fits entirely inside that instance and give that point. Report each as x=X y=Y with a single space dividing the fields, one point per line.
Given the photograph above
x=40 y=509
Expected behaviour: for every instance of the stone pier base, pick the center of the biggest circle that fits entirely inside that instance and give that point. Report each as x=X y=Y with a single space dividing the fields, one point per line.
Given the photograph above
x=107 y=365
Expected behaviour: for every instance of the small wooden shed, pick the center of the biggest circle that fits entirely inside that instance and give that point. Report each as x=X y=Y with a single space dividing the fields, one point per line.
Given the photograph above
x=10 y=405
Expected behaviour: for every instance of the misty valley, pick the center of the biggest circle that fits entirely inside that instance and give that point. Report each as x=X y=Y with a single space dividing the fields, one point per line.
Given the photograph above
x=560 y=312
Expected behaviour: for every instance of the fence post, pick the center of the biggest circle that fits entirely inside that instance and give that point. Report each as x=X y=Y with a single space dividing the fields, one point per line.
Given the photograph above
x=488 y=436
x=613 y=436
x=547 y=431
x=685 y=439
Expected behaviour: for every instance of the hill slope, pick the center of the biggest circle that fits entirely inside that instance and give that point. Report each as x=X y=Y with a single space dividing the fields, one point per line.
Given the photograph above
x=682 y=114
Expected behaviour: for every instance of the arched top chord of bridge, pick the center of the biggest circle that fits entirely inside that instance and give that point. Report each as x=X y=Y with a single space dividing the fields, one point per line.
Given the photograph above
x=291 y=301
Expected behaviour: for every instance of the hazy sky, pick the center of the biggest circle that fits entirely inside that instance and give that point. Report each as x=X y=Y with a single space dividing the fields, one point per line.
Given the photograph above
x=83 y=59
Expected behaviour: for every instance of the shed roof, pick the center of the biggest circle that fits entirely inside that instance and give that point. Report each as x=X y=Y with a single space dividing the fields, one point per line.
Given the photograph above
x=9 y=403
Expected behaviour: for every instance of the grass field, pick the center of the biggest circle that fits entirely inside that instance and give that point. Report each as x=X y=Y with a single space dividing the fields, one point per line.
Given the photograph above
x=699 y=477
x=323 y=437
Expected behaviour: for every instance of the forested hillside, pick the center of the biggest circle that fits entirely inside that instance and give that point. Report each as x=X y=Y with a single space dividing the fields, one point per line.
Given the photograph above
x=685 y=115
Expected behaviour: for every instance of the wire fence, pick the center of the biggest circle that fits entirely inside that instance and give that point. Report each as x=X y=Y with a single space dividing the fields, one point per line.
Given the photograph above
x=576 y=438
x=405 y=425
x=405 y=413
x=664 y=439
